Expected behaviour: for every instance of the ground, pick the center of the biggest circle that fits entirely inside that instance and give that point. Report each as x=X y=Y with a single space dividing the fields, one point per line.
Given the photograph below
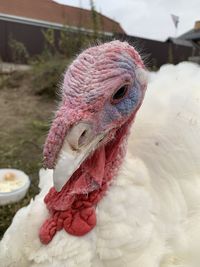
x=24 y=122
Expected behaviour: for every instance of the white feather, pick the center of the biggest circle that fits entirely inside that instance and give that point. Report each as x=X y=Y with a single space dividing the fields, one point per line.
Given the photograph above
x=151 y=214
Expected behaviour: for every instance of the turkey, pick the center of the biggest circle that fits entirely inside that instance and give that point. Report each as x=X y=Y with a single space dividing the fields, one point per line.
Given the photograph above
x=99 y=204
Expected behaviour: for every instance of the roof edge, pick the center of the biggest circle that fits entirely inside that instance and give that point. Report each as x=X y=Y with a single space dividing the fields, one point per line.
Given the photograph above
x=46 y=24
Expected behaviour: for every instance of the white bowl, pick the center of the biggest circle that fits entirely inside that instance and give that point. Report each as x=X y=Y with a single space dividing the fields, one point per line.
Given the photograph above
x=15 y=194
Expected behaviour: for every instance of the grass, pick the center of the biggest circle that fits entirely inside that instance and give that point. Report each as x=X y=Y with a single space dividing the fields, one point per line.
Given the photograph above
x=22 y=151
x=24 y=123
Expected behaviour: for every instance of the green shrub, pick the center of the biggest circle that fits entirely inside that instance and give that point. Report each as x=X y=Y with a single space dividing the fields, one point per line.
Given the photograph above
x=18 y=51
x=46 y=75
x=50 y=41
x=70 y=44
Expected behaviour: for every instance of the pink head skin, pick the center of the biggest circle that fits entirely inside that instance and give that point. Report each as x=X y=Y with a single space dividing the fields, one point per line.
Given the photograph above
x=89 y=84
x=101 y=93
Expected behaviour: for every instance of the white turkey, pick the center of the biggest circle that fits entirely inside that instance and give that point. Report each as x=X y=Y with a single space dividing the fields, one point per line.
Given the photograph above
x=108 y=207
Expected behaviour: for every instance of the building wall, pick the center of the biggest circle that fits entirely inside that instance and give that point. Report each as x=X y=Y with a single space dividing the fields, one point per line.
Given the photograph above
x=31 y=36
x=156 y=53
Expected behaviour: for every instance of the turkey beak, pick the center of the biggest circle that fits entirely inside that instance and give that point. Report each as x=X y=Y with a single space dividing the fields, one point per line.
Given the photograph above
x=79 y=143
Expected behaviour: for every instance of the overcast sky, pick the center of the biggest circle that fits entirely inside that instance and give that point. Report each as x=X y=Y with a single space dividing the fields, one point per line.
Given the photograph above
x=147 y=18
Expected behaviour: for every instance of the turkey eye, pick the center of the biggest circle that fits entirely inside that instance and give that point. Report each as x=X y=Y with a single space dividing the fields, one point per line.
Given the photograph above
x=119 y=94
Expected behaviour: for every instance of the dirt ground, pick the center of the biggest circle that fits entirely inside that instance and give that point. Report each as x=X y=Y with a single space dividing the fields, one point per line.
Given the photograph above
x=24 y=123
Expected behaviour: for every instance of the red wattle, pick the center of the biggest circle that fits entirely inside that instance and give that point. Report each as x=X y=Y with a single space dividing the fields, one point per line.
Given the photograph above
x=74 y=207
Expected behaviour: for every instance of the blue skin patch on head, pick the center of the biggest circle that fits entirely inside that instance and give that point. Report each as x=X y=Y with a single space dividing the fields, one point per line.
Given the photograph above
x=124 y=107
x=129 y=103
